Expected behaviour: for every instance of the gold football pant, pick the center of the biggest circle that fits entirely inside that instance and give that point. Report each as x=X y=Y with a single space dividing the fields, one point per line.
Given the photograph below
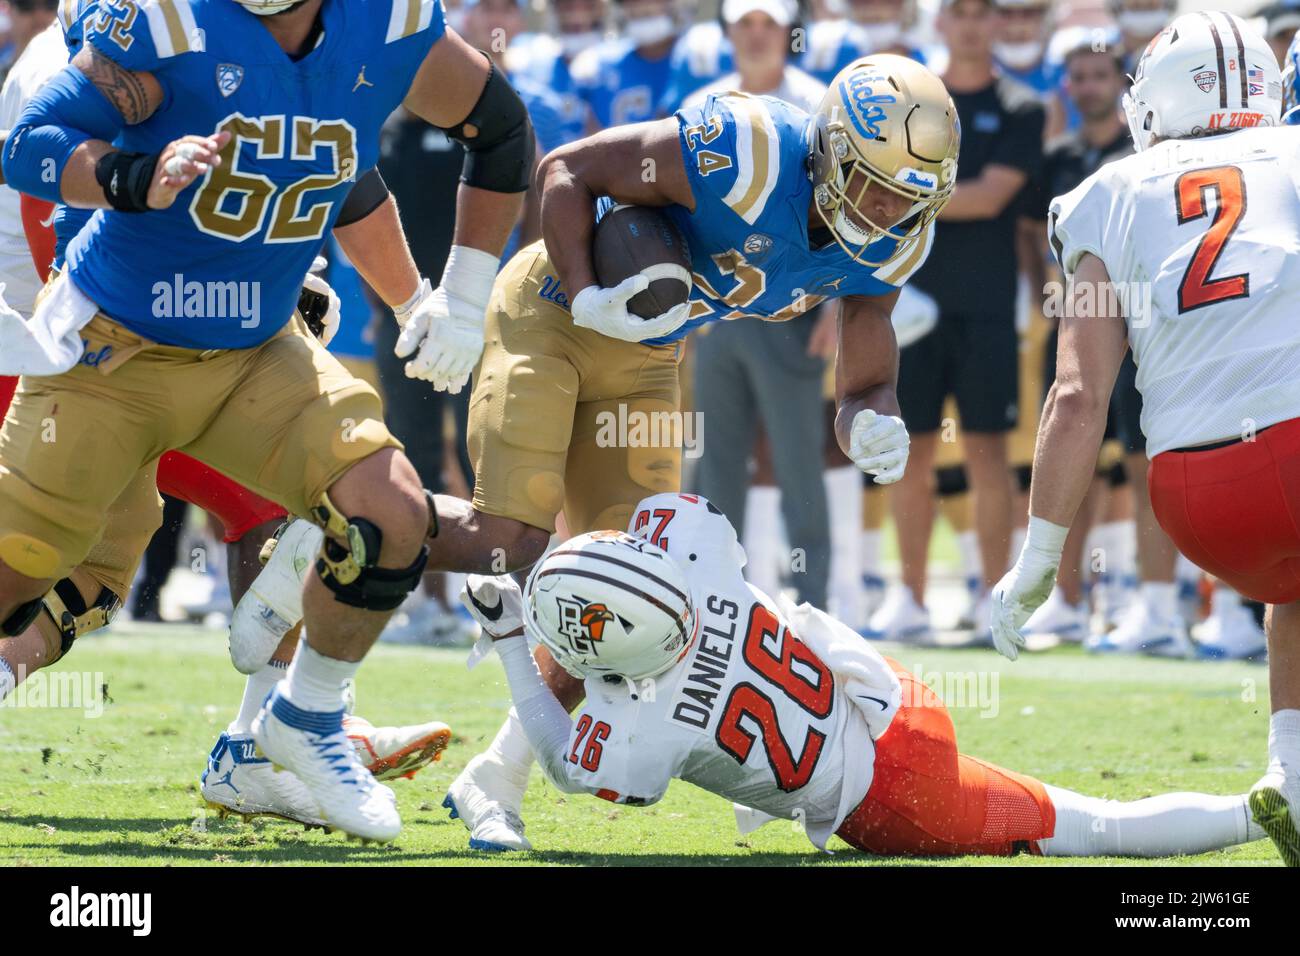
x=564 y=418
x=284 y=419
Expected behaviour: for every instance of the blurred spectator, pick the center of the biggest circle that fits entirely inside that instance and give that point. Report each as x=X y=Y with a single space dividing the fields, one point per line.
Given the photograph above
x=1139 y=21
x=872 y=26
x=701 y=55
x=624 y=80
x=1020 y=50
x=1281 y=21
x=20 y=21
x=543 y=58
x=973 y=352
x=751 y=372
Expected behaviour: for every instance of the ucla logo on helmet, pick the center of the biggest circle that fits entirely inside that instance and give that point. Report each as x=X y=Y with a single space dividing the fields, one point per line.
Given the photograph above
x=229 y=78
x=863 y=103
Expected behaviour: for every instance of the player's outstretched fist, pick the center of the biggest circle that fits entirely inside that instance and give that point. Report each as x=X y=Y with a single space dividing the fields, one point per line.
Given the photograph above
x=878 y=445
x=182 y=162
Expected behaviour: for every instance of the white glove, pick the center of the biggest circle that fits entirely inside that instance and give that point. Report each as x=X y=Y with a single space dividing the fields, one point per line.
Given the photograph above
x=605 y=311
x=334 y=314
x=878 y=445
x=495 y=601
x=1026 y=586
x=443 y=327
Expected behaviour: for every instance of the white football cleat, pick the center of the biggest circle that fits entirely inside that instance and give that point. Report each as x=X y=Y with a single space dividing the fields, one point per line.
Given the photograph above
x=1230 y=632
x=477 y=798
x=1059 y=618
x=238 y=781
x=1275 y=805
x=392 y=752
x=900 y=618
x=273 y=605
x=313 y=747
x=1140 y=631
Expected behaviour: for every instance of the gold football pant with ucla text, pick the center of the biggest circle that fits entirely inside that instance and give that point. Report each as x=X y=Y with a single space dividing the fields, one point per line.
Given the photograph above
x=556 y=420
x=78 y=451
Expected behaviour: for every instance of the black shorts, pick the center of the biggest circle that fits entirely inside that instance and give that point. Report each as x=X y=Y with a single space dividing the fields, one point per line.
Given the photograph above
x=1124 y=416
x=974 y=359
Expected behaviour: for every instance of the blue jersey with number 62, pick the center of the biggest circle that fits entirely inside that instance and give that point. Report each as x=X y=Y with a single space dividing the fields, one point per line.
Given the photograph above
x=223 y=266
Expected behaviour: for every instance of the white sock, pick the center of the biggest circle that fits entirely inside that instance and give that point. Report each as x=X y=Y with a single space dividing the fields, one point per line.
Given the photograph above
x=315 y=682
x=7 y=680
x=869 y=545
x=1124 y=543
x=764 y=530
x=968 y=551
x=1161 y=597
x=1185 y=569
x=1223 y=599
x=844 y=503
x=260 y=683
x=512 y=757
x=1167 y=825
x=1284 y=739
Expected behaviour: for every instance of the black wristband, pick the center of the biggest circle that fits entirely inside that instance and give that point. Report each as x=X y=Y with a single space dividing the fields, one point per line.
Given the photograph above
x=125 y=179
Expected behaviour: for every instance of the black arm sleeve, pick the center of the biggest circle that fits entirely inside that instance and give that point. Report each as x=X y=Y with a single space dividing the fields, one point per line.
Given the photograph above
x=368 y=193
x=499 y=153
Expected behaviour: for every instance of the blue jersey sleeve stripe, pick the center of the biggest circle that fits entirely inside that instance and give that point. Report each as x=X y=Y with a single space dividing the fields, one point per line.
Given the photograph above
x=757 y=156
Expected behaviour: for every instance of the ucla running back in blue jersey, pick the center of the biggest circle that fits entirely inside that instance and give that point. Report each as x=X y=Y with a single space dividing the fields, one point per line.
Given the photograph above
x=619 y=84
x=747 y=160
x=302 y=131
x=68 y=221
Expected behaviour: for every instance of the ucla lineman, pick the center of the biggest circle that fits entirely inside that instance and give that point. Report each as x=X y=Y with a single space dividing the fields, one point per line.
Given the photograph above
x=781 y=211
x=287 y=99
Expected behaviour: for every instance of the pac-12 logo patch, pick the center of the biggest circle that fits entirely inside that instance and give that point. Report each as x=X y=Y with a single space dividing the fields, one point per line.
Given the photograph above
x=229 y=78
x=1205 y=80
x=757 y=244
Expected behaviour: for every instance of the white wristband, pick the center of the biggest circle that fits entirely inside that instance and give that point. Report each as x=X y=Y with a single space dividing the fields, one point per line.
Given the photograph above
x=402 y=312
x=1046 y=538
x=469 y=275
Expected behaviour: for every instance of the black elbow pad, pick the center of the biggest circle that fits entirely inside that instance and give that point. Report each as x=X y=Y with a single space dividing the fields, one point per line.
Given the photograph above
x=368 y=193
x=499 y=153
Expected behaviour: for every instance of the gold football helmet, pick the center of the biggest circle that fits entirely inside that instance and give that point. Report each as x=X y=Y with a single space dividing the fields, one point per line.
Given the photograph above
x=885 y=120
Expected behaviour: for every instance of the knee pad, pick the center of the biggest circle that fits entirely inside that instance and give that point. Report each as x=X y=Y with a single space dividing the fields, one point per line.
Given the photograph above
x=73 y=616
x=21 y=619
x=351 y=572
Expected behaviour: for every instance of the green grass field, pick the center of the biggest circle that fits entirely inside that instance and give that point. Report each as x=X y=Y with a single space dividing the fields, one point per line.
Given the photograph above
x=121 y=788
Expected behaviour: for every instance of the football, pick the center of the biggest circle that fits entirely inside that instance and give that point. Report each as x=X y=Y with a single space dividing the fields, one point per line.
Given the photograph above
x=632 y=239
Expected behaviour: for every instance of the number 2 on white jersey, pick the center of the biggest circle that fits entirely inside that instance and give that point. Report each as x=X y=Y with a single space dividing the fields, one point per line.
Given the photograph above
x=1197 y=289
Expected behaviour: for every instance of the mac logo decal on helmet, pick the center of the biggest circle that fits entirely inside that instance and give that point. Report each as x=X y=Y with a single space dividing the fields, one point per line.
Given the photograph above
x=887 y=121
x=1205 y=72
x=610 y=604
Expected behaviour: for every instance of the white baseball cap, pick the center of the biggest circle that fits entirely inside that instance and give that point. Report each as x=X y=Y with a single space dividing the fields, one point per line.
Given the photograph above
x=782 y=11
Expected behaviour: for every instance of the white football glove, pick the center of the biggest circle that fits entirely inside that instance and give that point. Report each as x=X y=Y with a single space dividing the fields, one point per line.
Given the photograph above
x=878 y=445
x=443 y=327
x=1026 y=586
x=496 y=602
x=605 y=311
x=334 y=314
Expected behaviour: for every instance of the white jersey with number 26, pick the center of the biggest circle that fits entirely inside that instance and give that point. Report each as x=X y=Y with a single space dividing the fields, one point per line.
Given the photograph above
x=773 y=720
x=1201 y=238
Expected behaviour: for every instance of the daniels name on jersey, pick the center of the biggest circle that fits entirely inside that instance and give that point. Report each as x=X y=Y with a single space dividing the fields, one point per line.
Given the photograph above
x=1199 y=238
x=747 y=160
x=302 y=131
x=778 y=722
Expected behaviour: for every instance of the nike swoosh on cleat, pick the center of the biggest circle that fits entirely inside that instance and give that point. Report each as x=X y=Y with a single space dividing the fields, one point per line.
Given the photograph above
x=491 y=613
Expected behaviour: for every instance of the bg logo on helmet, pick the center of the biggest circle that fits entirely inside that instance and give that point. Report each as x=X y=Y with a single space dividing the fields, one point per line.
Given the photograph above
x=583 y=623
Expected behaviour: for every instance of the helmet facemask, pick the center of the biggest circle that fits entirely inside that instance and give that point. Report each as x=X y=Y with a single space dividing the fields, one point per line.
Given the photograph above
x=842 y=177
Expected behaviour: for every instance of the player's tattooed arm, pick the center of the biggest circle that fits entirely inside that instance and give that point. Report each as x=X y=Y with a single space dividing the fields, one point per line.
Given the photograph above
x=640 y=164
x=866 y=365
x=136 y=96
